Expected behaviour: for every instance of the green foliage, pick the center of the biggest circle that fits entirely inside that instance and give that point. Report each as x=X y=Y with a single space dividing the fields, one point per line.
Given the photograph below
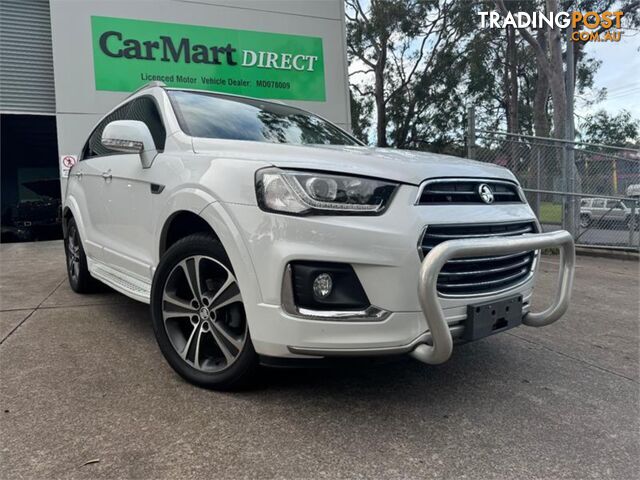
x=619 y=130
x=412 y=56
x=422 y=63
x=361 y=111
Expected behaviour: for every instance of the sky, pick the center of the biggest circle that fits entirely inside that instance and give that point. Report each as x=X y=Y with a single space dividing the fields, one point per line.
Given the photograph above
x=619 y=74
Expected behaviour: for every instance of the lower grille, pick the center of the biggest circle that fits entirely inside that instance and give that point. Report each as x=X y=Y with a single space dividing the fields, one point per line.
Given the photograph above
x=467 y=276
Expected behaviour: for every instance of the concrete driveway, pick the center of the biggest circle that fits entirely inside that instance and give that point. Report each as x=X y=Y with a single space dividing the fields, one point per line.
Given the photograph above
x=85 y=393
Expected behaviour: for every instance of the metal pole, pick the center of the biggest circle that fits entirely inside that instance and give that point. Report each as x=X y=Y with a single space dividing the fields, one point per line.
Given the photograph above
x=564 y=188
x=635 y=223
x=471 y=133
x=570 y=135
x=560 y=140
x=536 y=207
x=632 y=223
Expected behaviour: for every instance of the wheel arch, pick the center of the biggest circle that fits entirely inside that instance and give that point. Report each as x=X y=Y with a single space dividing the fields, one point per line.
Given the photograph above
x=180 y=206
x=180 y=224
x=71 y=210
x=67 y=215
x=234 y=244
x=201 y=213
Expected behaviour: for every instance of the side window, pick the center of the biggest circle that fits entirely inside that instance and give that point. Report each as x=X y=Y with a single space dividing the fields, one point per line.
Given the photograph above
x=142 y=109
x=94 y=146
x=584 y=202
x=145 y=110
x=598 y=204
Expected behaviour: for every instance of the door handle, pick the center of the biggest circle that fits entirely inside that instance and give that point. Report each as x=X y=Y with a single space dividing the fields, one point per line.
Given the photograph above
x=78 y=175
x=107 y=175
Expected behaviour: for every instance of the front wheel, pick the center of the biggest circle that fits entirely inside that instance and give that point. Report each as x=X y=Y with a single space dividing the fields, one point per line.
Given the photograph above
x=199 y=318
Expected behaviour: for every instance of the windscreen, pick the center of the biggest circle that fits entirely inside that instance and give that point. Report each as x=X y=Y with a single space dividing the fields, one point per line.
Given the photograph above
x=225 y=117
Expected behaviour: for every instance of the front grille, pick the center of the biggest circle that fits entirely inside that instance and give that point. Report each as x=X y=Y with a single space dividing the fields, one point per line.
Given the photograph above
x=465 y=191
x=477 y=275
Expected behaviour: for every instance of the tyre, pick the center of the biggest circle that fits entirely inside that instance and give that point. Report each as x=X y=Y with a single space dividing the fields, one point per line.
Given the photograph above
x=585 y=220
x=199 y=318
x=80 y=279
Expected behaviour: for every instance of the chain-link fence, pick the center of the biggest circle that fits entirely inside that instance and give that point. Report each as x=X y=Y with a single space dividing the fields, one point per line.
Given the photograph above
x=593 y=191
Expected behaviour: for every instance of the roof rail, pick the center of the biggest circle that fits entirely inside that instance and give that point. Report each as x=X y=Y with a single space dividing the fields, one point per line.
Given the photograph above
x=155 y=83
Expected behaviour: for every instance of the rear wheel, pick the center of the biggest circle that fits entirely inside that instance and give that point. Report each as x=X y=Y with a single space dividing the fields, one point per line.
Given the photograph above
x=80 y=279
x=199 y=318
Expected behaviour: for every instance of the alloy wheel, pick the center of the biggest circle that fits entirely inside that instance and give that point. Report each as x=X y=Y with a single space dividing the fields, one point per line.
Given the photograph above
x=203 y=314
x=73 y=253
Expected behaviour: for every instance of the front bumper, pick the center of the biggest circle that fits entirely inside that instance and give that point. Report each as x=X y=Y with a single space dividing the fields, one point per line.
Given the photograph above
x=435 y=345
x=383 y=252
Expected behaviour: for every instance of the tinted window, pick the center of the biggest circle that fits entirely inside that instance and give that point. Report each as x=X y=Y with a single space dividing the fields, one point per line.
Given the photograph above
x=613 y=204
x=142 y=109
x=94 y=146
x=218 y=116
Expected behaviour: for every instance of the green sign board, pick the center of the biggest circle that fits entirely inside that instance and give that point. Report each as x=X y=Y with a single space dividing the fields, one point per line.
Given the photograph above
x=129 y=53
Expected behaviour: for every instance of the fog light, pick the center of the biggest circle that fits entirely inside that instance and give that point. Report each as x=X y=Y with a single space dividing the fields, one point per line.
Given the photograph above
x=322 y=285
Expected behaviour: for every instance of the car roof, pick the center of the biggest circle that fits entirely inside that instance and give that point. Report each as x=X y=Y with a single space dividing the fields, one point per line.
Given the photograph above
x=163 y=86
x=224 y=94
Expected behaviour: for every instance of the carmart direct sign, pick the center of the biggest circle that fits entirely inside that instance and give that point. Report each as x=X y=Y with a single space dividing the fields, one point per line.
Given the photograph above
x=129 y=53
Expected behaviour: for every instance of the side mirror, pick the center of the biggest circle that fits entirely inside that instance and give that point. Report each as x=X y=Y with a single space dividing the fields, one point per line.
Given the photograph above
x=130 y=136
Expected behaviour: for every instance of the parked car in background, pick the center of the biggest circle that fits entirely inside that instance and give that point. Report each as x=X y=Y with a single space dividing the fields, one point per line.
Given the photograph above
x=37 y=218
x=633 y=191
x=607 y=212
x=262 y=233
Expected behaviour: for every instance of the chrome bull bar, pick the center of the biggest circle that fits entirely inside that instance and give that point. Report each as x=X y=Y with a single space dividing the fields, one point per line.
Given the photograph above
x=442 y=343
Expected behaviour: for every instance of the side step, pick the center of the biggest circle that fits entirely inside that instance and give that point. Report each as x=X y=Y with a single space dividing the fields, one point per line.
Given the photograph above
x=123 y=283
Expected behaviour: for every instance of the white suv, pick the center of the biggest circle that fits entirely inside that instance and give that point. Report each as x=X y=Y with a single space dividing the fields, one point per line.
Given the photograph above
x=607 y=212
x=261 y=233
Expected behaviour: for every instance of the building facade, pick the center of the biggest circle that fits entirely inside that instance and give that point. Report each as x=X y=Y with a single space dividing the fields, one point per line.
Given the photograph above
x=64 y=63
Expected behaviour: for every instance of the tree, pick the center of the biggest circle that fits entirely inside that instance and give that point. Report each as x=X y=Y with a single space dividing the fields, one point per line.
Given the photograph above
x=621 y=130
x=550 y=49
x=549 y=57
x=361 y=110
x=395 y=41
x=417 y=65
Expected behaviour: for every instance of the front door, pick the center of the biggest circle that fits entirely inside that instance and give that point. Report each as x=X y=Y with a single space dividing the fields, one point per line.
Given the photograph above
x=129 y=193
x=87 y=182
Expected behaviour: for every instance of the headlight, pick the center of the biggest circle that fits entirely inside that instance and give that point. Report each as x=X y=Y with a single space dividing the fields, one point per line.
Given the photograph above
x=305 y=193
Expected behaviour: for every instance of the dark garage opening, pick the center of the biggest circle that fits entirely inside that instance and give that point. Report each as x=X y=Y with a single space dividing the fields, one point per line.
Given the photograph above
x=30 y=178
